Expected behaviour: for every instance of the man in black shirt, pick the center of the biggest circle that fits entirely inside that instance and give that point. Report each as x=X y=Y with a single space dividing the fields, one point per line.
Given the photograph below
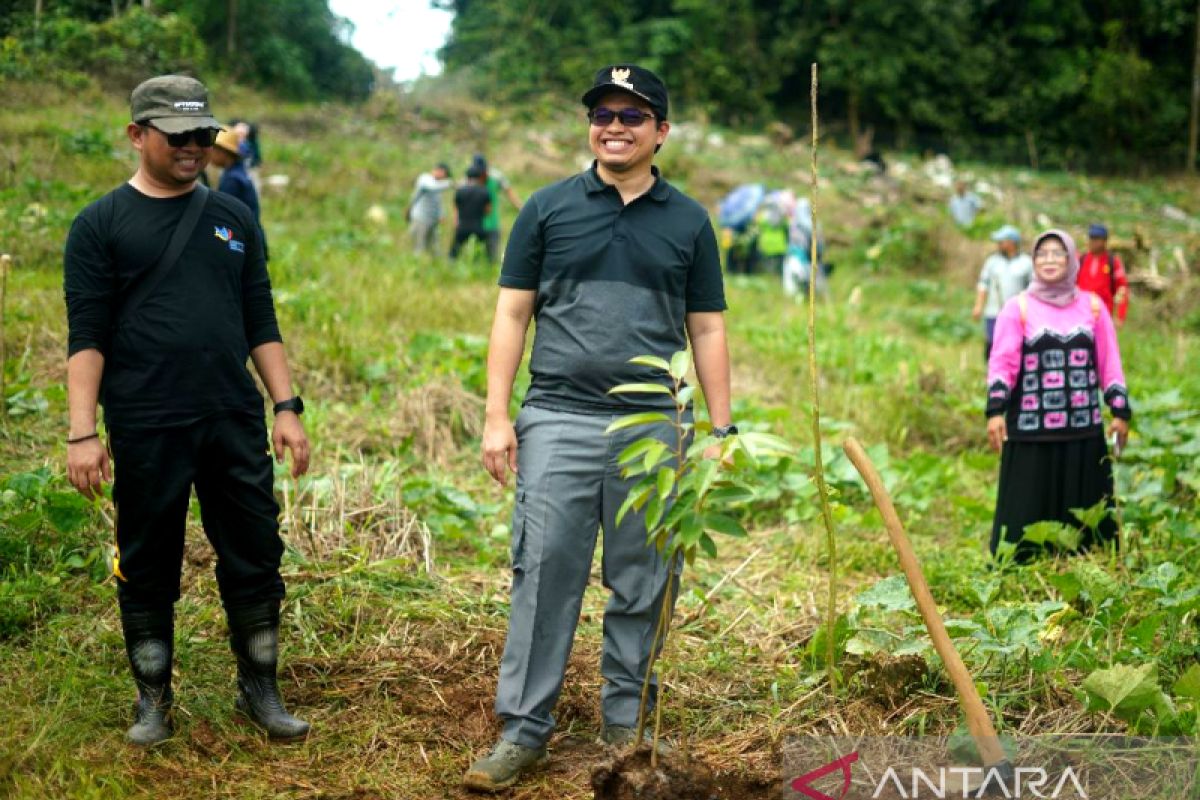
x=180 y=406
x=471 y=204
x=614 y=263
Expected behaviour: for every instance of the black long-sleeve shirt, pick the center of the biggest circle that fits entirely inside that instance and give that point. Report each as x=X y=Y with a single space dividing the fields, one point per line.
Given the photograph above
x=181 y=355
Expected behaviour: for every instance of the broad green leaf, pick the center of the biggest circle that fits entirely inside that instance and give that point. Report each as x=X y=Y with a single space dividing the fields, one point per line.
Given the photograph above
x=681 y=362
x=1188 y=684
x=722 y=523
x=666 y=482
x=651 y=361
x=961 y=628
x=1092 y=517
x=1161 y=579
x=685 y=396
x=640 y=388
x=708 y=545
x=1097 y=584
x=890 y=594
x=1123 y=689
x=1068 y=585
x=1054 y=534
x=1181 y=601
x=633 y=420
x=984 y=591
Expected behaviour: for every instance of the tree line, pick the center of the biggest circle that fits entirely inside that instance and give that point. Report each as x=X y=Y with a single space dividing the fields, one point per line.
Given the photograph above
x=297 y=48
x=1100 y=84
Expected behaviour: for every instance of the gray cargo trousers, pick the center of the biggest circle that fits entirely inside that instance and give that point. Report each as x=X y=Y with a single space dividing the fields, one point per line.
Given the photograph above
x=568 y=486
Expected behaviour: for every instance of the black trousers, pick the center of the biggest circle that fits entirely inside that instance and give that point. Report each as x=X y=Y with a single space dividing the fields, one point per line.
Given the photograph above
x=490 y=241
x=226 y=459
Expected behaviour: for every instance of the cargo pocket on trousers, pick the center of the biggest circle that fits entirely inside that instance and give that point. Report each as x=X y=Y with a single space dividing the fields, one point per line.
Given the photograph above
x=518 y=532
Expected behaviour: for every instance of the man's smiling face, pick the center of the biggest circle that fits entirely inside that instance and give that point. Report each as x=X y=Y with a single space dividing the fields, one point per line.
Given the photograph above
x=622 y=148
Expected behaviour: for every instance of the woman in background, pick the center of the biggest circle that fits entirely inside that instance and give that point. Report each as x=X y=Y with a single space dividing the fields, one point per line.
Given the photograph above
x=1053 y=359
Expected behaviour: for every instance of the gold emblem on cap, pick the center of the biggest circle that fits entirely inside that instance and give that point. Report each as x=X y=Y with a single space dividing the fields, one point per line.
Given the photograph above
x=621 y=77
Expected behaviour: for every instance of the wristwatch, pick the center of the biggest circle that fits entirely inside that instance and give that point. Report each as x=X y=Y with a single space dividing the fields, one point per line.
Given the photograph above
x=295 y=405
x=724 y=431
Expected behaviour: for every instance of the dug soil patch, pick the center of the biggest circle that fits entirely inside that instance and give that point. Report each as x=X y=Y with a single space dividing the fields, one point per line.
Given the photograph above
x=677 y=777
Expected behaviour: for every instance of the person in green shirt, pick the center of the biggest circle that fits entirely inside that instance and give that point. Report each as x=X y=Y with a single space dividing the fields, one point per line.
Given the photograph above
x=496 y=182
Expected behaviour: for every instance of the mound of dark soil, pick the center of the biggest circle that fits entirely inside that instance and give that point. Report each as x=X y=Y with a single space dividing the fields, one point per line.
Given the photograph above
x=630 y=776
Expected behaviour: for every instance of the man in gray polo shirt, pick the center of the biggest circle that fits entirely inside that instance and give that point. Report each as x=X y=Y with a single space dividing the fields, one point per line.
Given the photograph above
x=1005 y=274
x=613 y=263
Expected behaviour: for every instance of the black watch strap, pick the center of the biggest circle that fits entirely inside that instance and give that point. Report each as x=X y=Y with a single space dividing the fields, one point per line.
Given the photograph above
x=725 y=430
x=294 y=404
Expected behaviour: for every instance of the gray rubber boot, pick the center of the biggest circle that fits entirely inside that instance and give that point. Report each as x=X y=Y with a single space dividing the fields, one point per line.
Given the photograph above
x=149 y=639
x=254 y=637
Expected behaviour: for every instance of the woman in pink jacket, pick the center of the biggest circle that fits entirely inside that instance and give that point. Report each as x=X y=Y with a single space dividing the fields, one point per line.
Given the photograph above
x=1054 y=358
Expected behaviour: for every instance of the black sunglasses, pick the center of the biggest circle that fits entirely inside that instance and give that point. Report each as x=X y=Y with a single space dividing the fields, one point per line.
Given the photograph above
x=203 y=137
x=630 y=117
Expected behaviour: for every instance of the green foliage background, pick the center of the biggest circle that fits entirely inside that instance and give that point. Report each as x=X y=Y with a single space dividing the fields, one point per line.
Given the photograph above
x=297 y=48
x=1084 y=83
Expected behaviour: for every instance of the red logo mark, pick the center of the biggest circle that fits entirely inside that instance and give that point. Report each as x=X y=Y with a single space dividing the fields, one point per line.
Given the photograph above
x=801 y=784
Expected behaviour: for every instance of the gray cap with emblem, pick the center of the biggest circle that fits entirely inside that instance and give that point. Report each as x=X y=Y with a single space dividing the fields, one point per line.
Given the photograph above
x=174 y=103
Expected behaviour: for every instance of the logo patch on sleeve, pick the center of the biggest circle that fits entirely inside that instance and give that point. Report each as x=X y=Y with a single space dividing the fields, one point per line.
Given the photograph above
x=226 y=235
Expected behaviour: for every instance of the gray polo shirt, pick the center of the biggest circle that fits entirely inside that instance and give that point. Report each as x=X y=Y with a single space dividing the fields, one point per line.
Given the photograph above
x=1004 y=278
x=613 y=282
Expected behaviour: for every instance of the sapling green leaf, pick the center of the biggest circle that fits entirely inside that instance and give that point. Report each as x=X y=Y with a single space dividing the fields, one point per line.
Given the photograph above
x=681 y=362
x=686 y=495
x=634 y=420
x=640 y=388
x=638 y=449
x=651 y=361
x=666 y=481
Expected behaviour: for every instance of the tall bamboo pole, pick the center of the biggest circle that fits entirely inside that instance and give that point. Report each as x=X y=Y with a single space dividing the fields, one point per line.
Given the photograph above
x=5 y=262
x=1194 y=127
x=814 y=379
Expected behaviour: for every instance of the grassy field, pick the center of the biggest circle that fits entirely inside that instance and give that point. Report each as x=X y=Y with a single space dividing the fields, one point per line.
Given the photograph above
x=397 y=560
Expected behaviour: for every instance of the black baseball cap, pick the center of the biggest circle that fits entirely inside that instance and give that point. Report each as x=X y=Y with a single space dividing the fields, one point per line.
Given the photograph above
x=174 y=103
x=633 y=79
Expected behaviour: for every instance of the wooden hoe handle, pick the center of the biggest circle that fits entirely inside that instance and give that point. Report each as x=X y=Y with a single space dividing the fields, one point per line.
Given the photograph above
x=978 y=721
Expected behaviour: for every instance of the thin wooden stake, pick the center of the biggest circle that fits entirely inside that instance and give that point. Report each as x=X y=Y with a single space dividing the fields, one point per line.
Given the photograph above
x=5 y=264
x=814 y=377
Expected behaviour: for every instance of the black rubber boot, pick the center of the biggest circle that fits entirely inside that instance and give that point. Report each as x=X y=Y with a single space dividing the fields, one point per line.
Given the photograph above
x=254 y=637
x=149 y=640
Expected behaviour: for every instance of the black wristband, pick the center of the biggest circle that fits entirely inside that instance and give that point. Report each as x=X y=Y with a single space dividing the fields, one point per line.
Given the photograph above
x=725 y=431
x=79 y=439
x=294 y=404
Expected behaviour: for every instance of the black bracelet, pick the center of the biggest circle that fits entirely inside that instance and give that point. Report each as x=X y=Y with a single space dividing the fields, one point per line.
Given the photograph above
x=83 y=438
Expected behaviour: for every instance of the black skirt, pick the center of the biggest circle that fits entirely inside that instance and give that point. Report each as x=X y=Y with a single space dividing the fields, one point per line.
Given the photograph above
x=1043 y=481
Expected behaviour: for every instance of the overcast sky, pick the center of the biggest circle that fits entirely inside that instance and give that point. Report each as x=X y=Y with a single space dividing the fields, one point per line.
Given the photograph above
x=404 y=34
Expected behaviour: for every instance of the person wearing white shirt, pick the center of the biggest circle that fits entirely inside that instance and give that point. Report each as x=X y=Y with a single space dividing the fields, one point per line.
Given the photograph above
x=425 y=208
x=1005 y=274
